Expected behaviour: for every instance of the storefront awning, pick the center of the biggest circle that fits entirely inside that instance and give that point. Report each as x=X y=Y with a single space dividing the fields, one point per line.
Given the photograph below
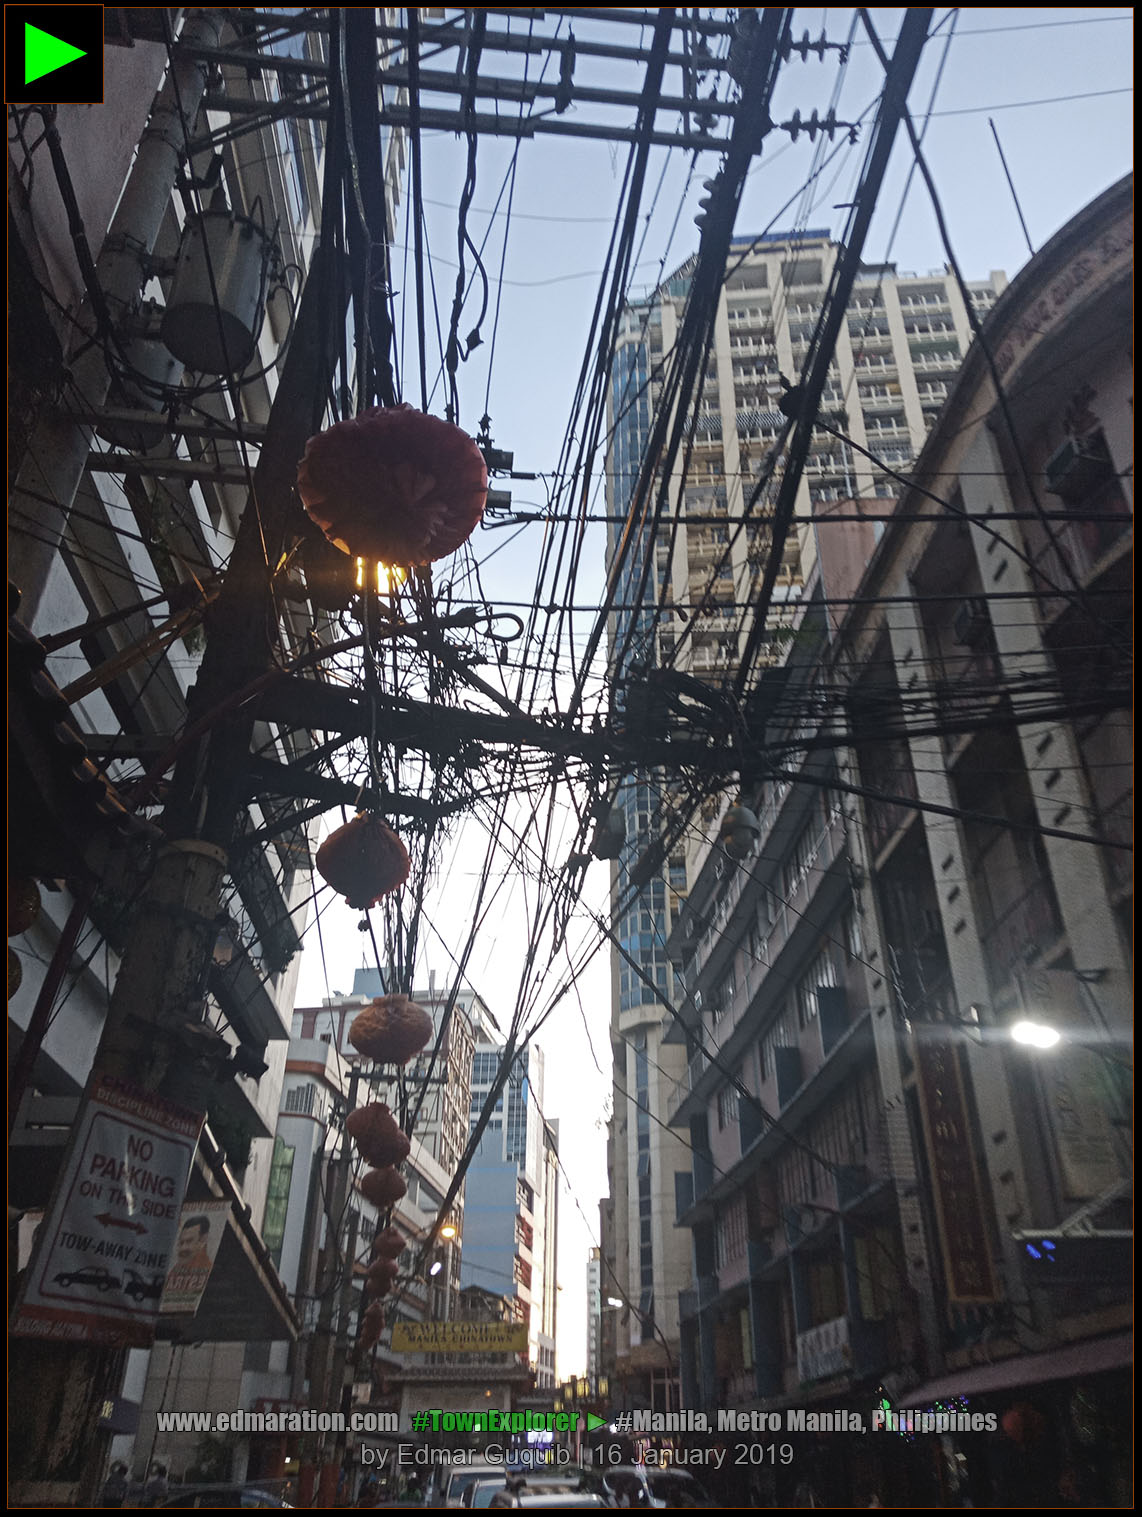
x=1077 y=1360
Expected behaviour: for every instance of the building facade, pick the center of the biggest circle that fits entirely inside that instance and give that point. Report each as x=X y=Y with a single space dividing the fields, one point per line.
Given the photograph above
x=594 y=1313
x=902 y=342
x=512 y=1194
x=889 y=1197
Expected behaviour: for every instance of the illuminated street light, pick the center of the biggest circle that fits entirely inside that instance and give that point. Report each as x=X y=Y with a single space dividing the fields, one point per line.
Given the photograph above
x=1035 y=1034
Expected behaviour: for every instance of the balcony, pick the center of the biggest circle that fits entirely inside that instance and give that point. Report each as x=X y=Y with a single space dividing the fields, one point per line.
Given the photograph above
x=870 y=331
x=1024 y=929
x=824 y=1351
x=1081 y=542
x=712 y=660
x=878 y=437
x=826 y=465
x=935 y=363
x=923 y=328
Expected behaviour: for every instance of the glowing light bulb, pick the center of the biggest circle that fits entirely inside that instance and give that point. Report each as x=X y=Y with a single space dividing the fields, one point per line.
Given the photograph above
x=1034 y=1035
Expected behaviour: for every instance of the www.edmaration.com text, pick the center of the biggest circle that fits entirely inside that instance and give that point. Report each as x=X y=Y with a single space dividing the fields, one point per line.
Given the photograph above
x=789 y=1420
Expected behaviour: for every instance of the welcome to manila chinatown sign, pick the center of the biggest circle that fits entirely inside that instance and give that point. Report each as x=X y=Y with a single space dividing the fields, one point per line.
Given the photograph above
x=103 y=1250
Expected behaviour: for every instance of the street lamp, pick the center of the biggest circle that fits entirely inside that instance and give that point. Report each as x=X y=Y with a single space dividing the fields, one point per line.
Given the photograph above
x=447 y=1232
x=1035 y=1034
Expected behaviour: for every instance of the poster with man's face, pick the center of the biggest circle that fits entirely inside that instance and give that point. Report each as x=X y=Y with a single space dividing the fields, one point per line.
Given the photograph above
x=201 y=1226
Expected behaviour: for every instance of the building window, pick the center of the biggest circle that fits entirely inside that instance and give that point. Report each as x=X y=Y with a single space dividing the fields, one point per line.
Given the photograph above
x=277 y=1198
x=826 y=1290
x=300 y=1100
x=732 y=1232
x=726 y=1101
x=823 y=973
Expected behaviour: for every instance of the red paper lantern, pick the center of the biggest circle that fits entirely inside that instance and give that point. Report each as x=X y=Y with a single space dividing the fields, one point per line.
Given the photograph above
x=364 y=860
x=389 y=1243
x=1023 y=1424
x=394 y=484
x=378 y=1138
x=391 y=1029
x=372 y=1324
x=381 y=1276
x=383 y=1187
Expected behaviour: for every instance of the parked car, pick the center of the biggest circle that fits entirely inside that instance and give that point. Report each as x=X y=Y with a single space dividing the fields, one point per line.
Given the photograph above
x=90 y=1274
x=453 y=1480
x=221 y=1495
x=554 y=1487
x=633 y=1485
x=547 y=1500
x=479 y=1492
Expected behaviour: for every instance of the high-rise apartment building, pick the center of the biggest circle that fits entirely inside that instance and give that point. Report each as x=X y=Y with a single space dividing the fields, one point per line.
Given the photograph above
x=512 y=1190
x=901 y=344
x=594 y=1313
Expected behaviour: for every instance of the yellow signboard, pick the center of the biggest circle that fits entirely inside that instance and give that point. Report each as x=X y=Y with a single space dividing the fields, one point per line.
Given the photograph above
x=459 y=1338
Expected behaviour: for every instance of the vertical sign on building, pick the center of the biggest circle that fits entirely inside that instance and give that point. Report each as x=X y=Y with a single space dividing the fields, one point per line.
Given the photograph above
x=961 y=1208
x=1080 y=1089
x=106 y=1243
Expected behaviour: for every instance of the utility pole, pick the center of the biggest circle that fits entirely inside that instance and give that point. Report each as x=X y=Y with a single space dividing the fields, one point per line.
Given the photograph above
x=154 y=1035
x=334 y=1294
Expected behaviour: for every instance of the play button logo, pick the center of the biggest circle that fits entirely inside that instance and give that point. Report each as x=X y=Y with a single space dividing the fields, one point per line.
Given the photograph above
x=43 y=53
x=53 y=54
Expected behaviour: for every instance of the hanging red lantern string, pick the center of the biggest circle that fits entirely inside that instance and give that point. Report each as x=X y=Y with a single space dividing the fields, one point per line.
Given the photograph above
x=389 y=1243
x=394 y=485
x=381 y=1277
x=383 y=1187
x=372 y=1324
x=377 y=1135
x=364 y=860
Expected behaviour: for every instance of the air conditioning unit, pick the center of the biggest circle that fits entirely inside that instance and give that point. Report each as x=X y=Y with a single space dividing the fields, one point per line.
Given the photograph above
x=1080 y=465
x=970 y=623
